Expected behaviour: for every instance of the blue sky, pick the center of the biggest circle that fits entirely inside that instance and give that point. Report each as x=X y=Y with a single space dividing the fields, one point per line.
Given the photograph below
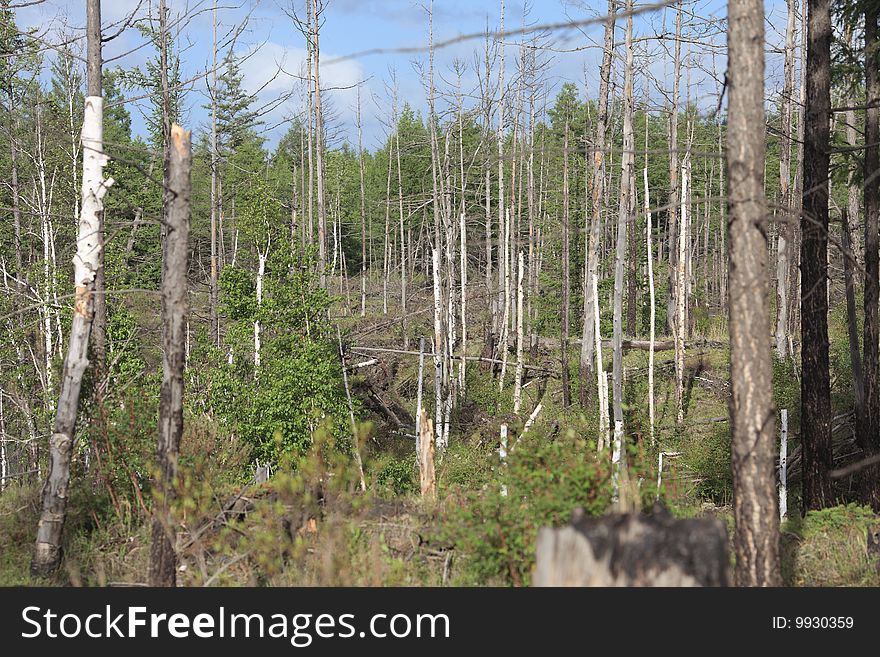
x=355 y=25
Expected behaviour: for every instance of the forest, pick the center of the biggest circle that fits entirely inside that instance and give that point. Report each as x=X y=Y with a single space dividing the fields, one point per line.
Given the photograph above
x=552 y=259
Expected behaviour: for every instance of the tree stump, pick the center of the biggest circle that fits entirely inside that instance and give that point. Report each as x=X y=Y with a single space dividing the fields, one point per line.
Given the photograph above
x=634 y=550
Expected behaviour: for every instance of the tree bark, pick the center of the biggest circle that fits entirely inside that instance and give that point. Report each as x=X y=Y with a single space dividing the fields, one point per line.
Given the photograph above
x=652 y=327
x=566 y=279
x=815 y=384
x=626 y=171
x=672 y=222
x=319 y=149
x=363 y=208
x=212 y=287
x=680 y=322
x=47 y=551
x=175 y=308
x=752 y=413
x=782 y=243
x=871 y=443
x=852 y=327
x=590 y=322
x=517 y=389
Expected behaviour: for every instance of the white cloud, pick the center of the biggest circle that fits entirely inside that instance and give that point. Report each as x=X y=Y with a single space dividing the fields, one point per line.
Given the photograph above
x=275 y=69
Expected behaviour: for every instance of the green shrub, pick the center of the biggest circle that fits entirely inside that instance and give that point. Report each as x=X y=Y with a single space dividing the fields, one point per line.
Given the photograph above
x=708 y=455
x=541 y=483
x=828 y=547
x=398 y=476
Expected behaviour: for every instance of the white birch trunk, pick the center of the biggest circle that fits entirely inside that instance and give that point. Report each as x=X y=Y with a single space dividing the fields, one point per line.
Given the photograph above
x=419 y=398
x=438 y=352
x=783 y=467
x=464 y=280
x=505 y=248
x=650 y=256
x=680 y=283
x=517 y=389
x=261 y=271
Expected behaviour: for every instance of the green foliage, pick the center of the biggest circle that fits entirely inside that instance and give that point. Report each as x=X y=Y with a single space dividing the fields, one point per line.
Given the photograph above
x=483 y=390
x=828 y=548
x=398 y=476
x=236 y=120
x=123 y=346
x=238 y=293
x=544 y=482
x=298 y=386
x=709 y=455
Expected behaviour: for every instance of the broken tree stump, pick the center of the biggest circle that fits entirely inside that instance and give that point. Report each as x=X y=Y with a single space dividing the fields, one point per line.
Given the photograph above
x=634 y=550
x=427 y=477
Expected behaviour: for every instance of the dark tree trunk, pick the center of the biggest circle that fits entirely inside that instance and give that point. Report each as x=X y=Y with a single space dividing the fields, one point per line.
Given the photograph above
x=815 y=384
x=175 y=251
x=752 y=413
x=871 y=423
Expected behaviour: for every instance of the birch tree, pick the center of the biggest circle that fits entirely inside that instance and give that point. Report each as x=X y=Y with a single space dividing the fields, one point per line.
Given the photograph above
x=624 y=208
x=86 y=262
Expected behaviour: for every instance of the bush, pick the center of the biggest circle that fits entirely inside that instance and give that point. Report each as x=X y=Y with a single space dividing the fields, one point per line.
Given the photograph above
x=541 y=484
x=398 y=477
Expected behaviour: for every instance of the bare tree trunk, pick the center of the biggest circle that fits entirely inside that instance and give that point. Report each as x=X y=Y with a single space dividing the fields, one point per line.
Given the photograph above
x=852 y=326
x=464 y=282
x=261 y=273
x=311 y=117
x=592 y=259
x=650 y=255
x=438 y=351
x=815 y=384
x=319 y=149
x=212 y=287
x=797 y=200
x=626 y=170
x=386 y=254
x=175 y=309
x=566 y=277
x=47 y=551
x=517 y=390
x=504 y=250
x=782 y=244
x=403 y=243
x=752 y=413
x=503 y=274
x=671 y=311
x=680 y=323
x=871 y=477
x=363 y=209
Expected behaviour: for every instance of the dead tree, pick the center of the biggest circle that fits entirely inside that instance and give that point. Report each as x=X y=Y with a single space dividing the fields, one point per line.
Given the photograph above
x=783 y=241
x=752 y=413
x=626 y=176
x=595 y=222
x=175 y=308
x=86 y=262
